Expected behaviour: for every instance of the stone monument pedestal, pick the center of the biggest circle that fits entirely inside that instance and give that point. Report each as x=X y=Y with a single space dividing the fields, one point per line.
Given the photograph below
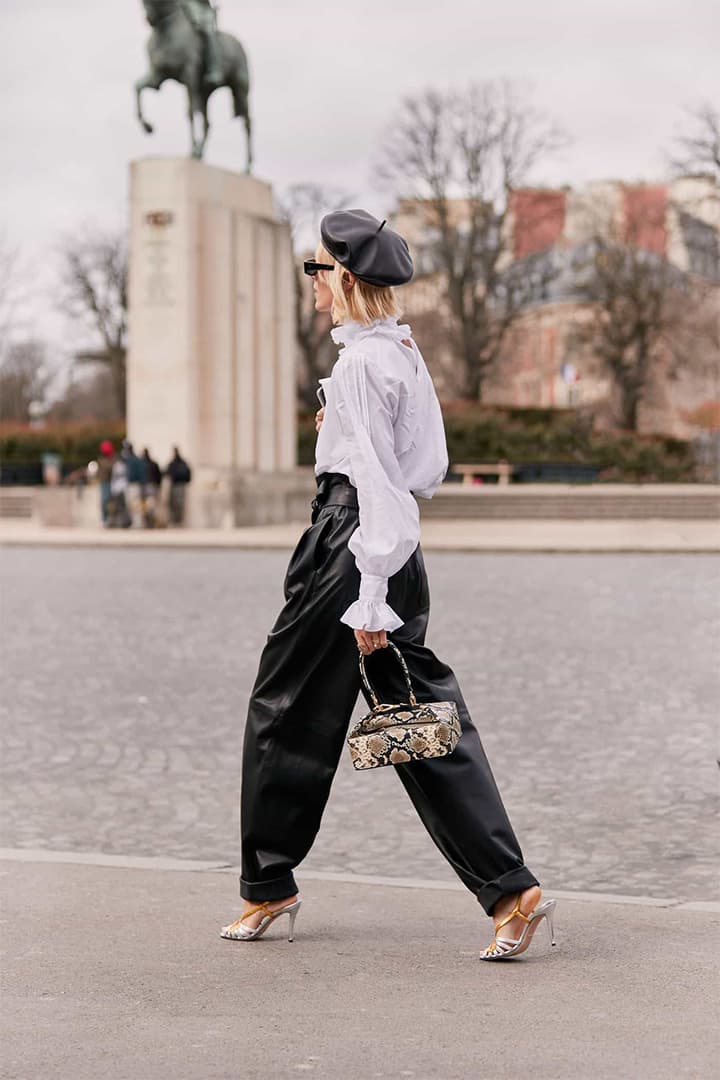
x=211 y=361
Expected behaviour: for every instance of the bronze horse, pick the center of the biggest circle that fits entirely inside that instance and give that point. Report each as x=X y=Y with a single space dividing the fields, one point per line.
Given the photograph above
x=175 y=51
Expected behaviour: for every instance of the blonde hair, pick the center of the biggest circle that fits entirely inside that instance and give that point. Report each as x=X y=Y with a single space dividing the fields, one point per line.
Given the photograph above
x=364 y=302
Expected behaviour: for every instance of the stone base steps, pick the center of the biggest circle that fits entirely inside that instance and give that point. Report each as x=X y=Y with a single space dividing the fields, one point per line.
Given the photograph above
x=616 y=502
x=17 y=503
x=565 y=502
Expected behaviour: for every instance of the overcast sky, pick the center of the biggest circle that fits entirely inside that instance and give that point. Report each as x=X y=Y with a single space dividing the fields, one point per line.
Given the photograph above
x=326 y=77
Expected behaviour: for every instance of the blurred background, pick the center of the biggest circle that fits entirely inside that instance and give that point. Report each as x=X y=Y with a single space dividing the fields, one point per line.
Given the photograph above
x=555 y=170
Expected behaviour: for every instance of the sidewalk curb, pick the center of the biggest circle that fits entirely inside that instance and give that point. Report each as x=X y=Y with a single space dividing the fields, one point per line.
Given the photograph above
x=232 y=543
x=161 y=864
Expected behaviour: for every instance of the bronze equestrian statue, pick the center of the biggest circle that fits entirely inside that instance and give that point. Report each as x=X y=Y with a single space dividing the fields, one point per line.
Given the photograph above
x=185 y=45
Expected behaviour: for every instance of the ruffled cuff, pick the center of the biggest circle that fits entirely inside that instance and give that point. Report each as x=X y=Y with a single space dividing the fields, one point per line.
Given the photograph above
x=371 y=615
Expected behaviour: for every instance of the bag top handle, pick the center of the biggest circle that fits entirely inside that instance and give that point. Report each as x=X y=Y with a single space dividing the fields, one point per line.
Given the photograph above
x=401 y=658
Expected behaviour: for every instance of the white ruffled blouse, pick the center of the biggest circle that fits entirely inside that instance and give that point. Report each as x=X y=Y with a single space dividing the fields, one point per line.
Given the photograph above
x=383 y=428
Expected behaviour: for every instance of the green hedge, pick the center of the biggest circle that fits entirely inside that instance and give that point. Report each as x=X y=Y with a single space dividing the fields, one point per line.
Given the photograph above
x=525 y=436
x=474 y=434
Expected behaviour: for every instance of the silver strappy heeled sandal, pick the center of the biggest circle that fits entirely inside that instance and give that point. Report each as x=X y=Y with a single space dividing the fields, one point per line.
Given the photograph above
x=501 y=948
x=237 y=932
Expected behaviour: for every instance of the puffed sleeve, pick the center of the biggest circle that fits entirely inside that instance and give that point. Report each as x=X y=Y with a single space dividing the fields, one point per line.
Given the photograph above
x=389 y=528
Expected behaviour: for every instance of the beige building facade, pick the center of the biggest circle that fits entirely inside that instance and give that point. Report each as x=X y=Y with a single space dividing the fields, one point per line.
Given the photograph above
x=541 y=364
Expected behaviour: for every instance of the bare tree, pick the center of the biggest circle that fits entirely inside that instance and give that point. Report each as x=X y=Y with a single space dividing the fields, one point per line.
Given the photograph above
x=24 y=379
x=12 y=277
x=89 y=397
x=302 y=206
x=93 y=274
x=645 y=315
x=698 y=150
x=458 y=156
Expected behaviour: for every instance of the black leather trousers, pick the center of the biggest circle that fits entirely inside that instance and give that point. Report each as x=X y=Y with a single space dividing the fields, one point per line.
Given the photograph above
x=299 y=711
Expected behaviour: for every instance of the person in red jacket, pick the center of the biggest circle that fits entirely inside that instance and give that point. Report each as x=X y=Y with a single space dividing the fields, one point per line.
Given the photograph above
x=105 y=464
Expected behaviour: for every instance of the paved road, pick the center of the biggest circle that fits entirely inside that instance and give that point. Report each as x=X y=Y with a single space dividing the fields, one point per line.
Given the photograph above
x=125 y=676
x=140 y=986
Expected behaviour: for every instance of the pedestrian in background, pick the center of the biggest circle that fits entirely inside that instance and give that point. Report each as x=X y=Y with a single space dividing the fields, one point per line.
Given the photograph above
x=151 y=489
x=356 y=575
x=135 y=480
x=105 y=464
x=180 y=475
x=118 y=515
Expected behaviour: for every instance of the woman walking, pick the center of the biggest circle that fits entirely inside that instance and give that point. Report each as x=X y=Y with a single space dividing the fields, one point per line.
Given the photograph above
x=356 y=575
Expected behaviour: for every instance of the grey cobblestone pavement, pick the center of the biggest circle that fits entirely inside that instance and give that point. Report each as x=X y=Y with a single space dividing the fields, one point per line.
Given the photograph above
x=592 y=679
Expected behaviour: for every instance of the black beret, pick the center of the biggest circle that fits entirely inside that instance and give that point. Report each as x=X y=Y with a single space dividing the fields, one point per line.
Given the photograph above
x=369 y=248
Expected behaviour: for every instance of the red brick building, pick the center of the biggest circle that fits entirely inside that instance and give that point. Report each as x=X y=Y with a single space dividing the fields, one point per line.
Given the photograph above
x=540 y=362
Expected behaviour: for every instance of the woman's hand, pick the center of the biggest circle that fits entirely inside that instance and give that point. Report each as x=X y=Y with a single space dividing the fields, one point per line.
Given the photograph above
x=319 y=418
x=369 y=640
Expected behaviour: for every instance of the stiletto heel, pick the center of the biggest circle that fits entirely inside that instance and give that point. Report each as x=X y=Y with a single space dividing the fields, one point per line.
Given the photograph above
x=293 y=917
x=550 y=920
x=237 y=932
x=501 y=947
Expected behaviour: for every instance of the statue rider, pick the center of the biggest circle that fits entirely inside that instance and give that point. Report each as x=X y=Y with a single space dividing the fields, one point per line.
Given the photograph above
x=203 y=18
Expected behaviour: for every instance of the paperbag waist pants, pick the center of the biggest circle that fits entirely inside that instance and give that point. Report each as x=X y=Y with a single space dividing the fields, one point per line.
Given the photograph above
x=306 y=687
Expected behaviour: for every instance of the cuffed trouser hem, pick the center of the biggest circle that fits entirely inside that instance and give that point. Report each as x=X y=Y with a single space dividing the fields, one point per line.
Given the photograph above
x=273 y=889
x=514 y=881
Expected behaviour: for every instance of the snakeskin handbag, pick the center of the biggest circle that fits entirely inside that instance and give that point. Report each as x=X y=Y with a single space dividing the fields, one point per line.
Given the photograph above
x=393 y=734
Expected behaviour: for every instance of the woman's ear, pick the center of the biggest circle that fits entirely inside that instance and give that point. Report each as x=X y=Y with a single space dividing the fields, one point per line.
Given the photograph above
x=348 y=280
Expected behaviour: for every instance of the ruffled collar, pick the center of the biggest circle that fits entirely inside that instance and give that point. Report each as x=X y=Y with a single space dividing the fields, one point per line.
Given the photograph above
x=349 y=332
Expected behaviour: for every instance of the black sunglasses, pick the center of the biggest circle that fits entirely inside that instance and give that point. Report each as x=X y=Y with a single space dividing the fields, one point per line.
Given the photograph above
x=311 y=267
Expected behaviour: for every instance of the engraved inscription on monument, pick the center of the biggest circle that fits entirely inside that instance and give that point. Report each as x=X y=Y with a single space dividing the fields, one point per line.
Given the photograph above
x=159 y=284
